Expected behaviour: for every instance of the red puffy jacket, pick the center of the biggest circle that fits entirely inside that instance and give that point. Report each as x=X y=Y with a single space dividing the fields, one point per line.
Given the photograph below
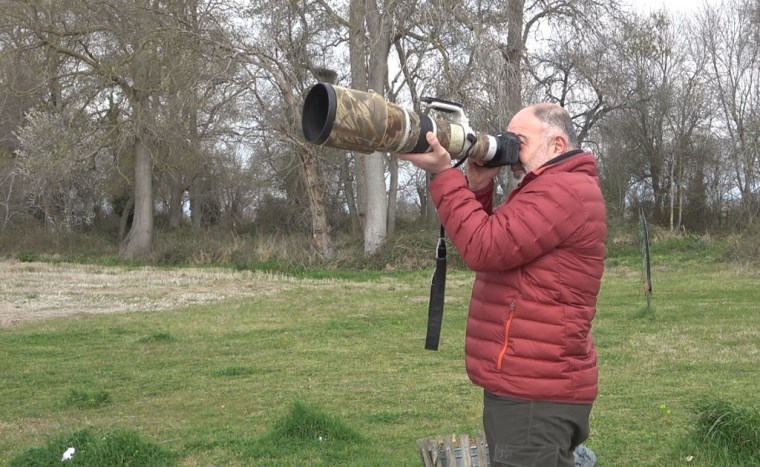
x=538 y=259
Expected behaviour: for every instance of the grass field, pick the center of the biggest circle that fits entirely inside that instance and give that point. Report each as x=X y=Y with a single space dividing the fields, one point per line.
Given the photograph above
x=333 y=371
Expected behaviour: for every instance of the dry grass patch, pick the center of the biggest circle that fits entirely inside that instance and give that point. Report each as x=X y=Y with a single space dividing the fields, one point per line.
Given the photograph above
x=39 y=291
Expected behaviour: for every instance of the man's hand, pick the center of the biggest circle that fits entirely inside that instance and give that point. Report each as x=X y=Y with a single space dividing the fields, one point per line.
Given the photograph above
x=479 y=176
x=435 y=161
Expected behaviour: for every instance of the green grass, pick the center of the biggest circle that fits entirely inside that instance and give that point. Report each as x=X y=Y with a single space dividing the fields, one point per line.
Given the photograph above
x=119 y=447
x=87 y=399
x=700 y=341
x=260 y=381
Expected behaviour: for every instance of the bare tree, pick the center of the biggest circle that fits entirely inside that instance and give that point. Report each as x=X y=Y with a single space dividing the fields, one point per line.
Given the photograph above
x=10 y=204
x=280 y=68
x=133 y=51
x=62 y=157
x=372 y=28
x=689 y=124
x=480 y=54
x=112 y=45
x=646 y=55
x=729 y=32
x=22 y=86
x=370 y=38
x=659 y=120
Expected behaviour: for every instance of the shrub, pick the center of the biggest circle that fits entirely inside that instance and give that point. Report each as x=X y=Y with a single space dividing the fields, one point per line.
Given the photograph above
x=723 y=434
x=308 y=423
x=86 y=399
x=730 y=427
x=743 y=249
x=123 y=448
x=308 y=435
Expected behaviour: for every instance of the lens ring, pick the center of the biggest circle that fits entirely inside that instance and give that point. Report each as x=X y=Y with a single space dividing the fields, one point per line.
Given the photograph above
x=319 y=110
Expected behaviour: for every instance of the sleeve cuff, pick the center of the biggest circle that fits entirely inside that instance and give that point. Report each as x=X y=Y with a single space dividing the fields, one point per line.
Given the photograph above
x=445 y=176
x=485 y=191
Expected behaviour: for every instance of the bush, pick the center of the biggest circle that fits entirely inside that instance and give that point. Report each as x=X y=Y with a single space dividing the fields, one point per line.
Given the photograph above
x=118 y=448
x=32 y=243
x=411 y=248
x=306 y=423
x=723 y=434
x=730 y=427
x=308 y=435
x=743 y=249
x=86 y=399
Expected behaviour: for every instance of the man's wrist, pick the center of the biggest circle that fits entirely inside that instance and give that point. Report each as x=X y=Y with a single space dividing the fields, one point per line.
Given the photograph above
x=433 y=173
x=480 y=186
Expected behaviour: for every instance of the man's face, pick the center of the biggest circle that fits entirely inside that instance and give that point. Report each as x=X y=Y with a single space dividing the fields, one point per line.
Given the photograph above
x=535 y=148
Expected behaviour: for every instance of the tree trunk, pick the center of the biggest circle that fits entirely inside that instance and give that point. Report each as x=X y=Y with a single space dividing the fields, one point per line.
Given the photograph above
x=681 y=195
x=197 y=202
x=514 y=54
x=319 y=228
x=357 y=47
x=123 y=223
x=428 y=207
x=376 y=222
x=139 y=240
x=7 y=201
x=360 y=177
x=672 y=196
x=347 y=183
x=379 y=30
x=176 y=205
x=392 y=194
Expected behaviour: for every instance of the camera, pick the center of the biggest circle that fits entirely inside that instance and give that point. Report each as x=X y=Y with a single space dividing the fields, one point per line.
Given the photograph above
x=361 y=121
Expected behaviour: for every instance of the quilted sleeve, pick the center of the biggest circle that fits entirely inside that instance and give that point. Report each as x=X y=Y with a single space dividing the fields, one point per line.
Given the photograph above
x=544 y=213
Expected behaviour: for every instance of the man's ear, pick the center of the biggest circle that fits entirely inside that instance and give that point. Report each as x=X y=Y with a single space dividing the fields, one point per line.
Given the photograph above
x=559 y=144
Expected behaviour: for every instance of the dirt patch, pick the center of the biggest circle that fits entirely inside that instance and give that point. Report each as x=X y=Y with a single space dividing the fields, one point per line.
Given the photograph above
x=38 y=291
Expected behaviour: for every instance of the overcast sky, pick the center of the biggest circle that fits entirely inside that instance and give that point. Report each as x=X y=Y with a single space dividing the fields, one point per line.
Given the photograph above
x=676 y=6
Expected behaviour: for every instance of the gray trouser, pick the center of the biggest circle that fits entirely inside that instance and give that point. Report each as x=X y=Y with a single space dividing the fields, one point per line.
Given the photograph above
x=524 y=433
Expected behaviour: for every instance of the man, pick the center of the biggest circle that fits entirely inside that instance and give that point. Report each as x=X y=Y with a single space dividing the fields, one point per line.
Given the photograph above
x=538 y=259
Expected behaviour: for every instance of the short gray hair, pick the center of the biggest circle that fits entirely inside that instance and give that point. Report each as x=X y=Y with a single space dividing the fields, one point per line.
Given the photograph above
x=555 y=116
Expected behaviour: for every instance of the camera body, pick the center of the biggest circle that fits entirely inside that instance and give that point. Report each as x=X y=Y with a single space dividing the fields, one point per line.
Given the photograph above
x=363 y=121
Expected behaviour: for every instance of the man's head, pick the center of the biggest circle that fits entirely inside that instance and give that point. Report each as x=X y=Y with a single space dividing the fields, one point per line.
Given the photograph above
x=545 y=131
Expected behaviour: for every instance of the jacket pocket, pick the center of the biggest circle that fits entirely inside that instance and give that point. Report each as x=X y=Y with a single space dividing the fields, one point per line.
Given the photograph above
x=505 y=346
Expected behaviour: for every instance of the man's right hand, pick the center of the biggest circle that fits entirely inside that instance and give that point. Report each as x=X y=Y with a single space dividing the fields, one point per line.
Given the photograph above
x=434 y=162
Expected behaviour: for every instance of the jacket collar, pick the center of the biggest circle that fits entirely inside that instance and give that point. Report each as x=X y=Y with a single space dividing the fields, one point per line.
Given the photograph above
x=583 y=162
x=558 y=159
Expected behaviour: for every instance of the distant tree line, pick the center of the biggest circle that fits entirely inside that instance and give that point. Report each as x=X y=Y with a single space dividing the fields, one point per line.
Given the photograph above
x=187 y=112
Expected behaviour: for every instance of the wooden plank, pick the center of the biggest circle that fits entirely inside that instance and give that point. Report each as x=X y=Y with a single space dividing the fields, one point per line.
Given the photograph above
x=481 y=443
x=422 y=445
x=448 y=448
x=435 y=451
x=441 y=451
x=464 y=447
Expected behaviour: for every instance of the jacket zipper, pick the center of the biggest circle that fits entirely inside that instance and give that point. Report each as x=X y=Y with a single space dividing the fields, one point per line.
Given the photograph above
x=506 y=336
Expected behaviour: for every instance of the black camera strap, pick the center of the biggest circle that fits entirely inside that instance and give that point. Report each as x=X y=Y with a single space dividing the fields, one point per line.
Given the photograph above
x=437 y=293
x=438 y=286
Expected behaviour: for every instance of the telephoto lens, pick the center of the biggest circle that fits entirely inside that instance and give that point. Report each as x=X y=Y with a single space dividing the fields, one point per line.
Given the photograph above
x=360 y=121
